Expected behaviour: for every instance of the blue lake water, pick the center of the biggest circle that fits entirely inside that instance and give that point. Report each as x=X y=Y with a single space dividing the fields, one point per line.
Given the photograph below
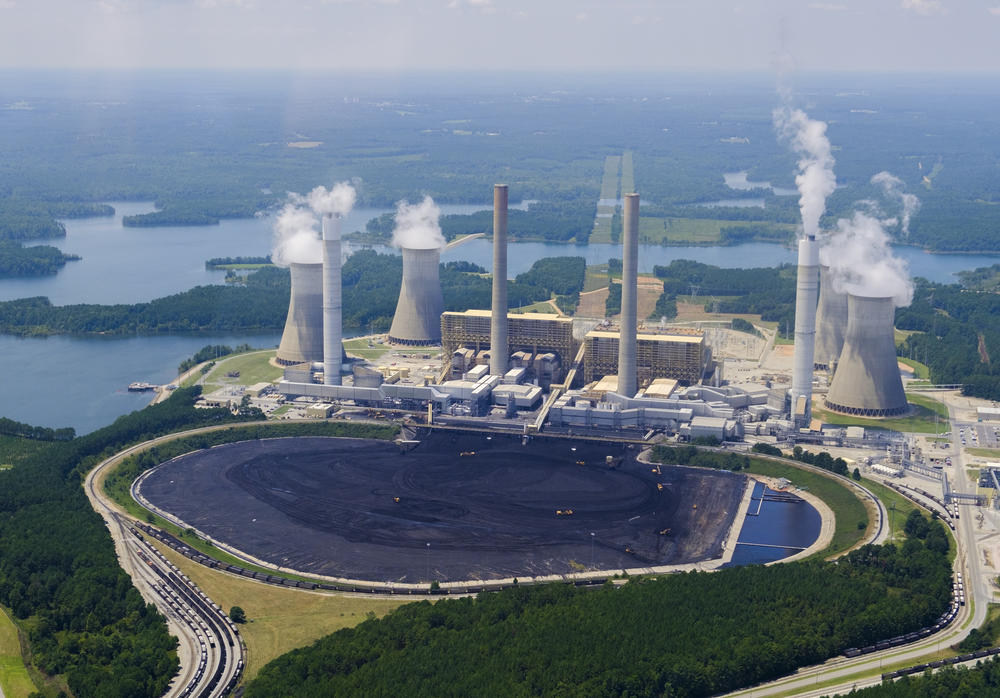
x=776 y=526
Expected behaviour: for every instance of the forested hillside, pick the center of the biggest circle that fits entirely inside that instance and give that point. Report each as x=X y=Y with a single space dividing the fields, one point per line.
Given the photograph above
x=693 y=634
x=59 y=573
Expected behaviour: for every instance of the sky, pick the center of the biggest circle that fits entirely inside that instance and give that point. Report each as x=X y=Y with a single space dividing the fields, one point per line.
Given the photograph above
x=557 y=35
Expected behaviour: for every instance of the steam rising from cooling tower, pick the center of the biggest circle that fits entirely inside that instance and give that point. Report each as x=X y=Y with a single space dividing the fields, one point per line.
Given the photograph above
x=296 y=239
x=417 y=320
x=831 y=320
x=861 y=260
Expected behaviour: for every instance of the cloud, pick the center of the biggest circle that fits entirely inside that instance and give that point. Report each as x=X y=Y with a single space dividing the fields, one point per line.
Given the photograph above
x=484 y=6
x=995 y=11
x=7 y=4
x=582 y=17
x=827 y=6
x=923 y=7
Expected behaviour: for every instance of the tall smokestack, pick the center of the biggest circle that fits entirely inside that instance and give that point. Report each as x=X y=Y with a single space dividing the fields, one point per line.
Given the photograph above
x=805 y=329
x=499 y=350
x=302 y=340
x=332 y=316
x=628 y=382
x=831 y=321
x=418 y=313
x=867 y=381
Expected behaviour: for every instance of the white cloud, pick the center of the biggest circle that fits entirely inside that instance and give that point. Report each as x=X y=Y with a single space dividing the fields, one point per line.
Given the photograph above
x=995 y=11
x=582 y=17
x=923 y=7
x=7 y=4
x=828 y=6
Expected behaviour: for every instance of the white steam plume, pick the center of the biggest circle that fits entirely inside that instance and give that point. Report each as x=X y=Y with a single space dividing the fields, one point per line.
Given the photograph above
x=893 y=187
x=417 y=225
x=859 y=255
x=815 y=180
x=339 y=198
x=295 y=237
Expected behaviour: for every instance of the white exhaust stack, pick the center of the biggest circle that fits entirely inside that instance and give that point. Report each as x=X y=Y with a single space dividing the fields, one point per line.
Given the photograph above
x=628 y=381
x=499 y=347
x=332 y=303
x=806 y=293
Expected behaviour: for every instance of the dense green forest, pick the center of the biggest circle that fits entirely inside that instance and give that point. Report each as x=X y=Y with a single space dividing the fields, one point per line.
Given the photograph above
x=692 y=634
x=956 y=334
x=8 y=427
x=23 y=219
x=769 y=292
x=217 y=262
x=59 y=573
x=37 y=260
x=371 y=290
x=980 y=681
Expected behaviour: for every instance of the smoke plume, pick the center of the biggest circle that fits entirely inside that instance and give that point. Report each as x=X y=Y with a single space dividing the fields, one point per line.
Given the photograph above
x=339 y=199
x=815 y=180
x=893 y=188
x=295 y=237
x=859 y=255
x=417 y=225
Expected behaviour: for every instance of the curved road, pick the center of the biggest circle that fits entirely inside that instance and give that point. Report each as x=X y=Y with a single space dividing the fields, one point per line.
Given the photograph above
x=210 y=651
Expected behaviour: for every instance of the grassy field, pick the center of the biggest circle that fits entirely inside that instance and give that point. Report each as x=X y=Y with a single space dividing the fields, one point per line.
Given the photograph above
x=847 y=508
x=984 y=452
x=609 y=181
x=359 y=347
x=595 y=277
x=253 y=368
x=539 y=307
x=281 y=619
x=921 y=420
x=919 y=370
x=899 y=506
x=14 y=678
x=628 y=174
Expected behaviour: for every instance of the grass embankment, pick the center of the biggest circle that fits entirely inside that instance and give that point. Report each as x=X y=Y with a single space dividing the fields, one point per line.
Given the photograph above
x=539 y=307
x=984 y=452
x=848 y=510
x=280 y=619
x=899 y=507
x=920 y=370
x=253 y=368
x=15 y=681
x=359 y=347
x=928 y=416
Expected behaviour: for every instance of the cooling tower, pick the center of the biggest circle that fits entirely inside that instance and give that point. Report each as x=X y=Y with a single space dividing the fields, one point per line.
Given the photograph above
x=499 y=347
x=805 y=329
x=867 y=381
x=418 y=313
x=831 y=321
x=332 y=311
x=302 y=340
x=628 y=383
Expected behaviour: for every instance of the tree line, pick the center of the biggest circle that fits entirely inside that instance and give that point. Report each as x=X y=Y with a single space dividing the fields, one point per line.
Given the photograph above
x=59 y=573
x=36 y=260
x=693 y=634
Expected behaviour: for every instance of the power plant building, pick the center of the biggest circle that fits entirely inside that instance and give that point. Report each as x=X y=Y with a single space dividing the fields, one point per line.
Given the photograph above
x=302 y=339
x=532 y=334
x=678 y=354
x=867 y=381
x=417 y=320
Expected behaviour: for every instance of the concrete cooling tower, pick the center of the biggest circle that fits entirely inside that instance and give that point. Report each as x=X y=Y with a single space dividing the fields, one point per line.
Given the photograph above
x=418 y=313
x=302 y=340
x=867 y=382
x=831 y=321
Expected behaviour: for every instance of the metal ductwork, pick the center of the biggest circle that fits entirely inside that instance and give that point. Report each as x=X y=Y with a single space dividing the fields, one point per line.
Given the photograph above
x=418 y=313
x=867 y=381
x=302 y=340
